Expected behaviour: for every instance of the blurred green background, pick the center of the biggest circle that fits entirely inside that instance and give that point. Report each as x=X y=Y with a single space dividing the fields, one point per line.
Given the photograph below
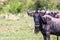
x=21 y=6
x=15 y=24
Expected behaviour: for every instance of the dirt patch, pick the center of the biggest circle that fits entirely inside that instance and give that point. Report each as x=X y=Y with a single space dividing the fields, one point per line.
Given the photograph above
x=3 y=28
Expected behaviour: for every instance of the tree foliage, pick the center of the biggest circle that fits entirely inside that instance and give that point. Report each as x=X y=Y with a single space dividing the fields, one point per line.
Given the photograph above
x=21 y=6
x=15 y=7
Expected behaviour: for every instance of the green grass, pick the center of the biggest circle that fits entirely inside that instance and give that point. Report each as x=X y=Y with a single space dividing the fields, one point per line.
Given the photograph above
x=21 y=29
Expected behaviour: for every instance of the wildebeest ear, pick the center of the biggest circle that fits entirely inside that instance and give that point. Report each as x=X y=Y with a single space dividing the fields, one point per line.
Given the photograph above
x=30 y=13
x=42 y=13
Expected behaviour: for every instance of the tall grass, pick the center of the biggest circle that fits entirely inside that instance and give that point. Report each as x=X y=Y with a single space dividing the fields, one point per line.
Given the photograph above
x=21 y=29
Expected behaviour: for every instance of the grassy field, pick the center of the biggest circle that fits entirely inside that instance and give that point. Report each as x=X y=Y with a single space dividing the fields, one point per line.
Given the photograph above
x=21 y=29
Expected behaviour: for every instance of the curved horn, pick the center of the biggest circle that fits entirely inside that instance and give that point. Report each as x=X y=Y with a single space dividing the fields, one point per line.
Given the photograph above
x=30 y=13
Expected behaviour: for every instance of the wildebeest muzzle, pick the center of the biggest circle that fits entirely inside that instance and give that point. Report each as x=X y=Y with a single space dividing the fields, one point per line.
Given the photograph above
x=36 y=20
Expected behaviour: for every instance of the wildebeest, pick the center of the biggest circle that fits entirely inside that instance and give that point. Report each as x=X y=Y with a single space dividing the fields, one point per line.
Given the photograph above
x=44 y=25
x=52 y=13
x=53 y=25
x=47 y=12
x=38 y=23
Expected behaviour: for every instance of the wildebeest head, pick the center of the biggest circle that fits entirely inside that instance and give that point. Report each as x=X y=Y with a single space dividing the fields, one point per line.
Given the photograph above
x=35 y=15
x=52 y=13
x=37 y=19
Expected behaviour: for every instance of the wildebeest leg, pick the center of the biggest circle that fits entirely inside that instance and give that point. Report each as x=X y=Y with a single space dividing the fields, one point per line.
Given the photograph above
x=47 y=36
x=57 y=38
x=47 y=32
x=44 y=36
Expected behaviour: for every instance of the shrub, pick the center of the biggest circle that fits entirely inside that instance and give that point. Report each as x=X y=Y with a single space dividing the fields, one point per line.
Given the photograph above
x=15 y=7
